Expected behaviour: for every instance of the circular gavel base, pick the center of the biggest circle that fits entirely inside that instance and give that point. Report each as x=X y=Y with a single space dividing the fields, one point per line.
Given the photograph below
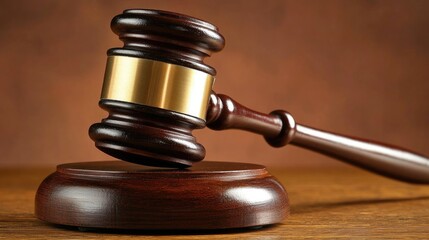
x=121 y=195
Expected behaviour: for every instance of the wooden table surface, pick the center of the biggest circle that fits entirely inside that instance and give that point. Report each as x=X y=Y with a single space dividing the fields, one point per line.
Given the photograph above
x=325 y=203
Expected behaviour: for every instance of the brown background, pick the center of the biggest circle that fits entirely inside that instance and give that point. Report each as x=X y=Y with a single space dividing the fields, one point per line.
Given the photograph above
x=356 y=67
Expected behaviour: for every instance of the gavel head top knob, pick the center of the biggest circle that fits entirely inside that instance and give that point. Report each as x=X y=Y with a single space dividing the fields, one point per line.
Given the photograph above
x=156 y=88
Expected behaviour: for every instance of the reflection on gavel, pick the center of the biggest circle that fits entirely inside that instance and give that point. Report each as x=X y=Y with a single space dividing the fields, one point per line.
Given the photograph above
x=157 y=89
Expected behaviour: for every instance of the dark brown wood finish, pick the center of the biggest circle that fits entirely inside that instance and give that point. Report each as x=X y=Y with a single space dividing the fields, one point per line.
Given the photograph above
x=326 y=203
x=208 y=195
x=156 y=137
x=143 y=134
x=147 y=135
x=167 y=37
x=279 y=128
x=120 y=195
x=225 y=113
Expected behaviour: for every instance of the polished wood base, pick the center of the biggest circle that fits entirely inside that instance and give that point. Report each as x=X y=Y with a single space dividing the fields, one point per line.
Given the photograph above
x=121 y=195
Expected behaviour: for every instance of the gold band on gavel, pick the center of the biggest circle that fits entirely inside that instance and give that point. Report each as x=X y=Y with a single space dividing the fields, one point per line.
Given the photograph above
x=157 y=84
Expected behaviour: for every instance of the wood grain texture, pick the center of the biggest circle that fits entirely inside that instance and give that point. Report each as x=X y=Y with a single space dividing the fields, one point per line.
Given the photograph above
x=120 y=195
x=325 y=203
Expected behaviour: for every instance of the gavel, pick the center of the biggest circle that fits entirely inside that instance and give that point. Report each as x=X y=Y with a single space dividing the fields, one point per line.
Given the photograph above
x=157 y=90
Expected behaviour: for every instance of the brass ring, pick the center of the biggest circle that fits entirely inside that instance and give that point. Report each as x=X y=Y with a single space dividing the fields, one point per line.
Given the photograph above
x=157 y=84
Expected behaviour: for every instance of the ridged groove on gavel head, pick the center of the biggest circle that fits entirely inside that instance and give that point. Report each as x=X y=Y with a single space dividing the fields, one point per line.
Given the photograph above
x=147 y=135
x=167 y=37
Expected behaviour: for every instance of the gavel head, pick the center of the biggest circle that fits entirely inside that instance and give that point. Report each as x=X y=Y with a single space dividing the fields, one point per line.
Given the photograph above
x=156 y=88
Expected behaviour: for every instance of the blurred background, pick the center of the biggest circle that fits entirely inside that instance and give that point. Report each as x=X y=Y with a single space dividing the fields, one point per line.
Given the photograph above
x=356 y=67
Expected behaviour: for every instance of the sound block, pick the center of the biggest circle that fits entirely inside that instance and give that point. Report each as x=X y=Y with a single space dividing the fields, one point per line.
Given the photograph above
x=121 y=195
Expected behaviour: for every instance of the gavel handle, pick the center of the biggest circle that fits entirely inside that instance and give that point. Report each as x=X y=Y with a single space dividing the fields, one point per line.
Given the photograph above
x=279 y=128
